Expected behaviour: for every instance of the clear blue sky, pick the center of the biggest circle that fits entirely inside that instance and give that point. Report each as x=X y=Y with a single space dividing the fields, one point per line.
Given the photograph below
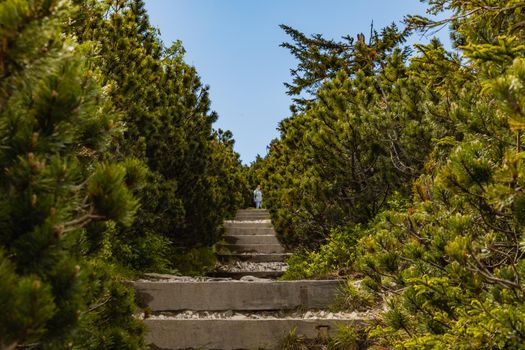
x=234 y=44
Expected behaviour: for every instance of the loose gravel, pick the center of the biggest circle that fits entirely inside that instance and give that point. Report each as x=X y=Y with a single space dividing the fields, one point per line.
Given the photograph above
x=263 y=315
x=162 y=278
x=247 y=266
x=265 y=221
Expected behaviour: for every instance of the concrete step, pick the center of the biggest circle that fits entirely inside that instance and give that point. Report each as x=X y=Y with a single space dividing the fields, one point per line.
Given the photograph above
x=238 y=231
x=251 y=239
x=236 y=295
x=261 y=212
x=232 y=334
x=251 y=217
x=253 y=212
x=252 y=248
x=278 y=257
x=237 y=275
x=247 y=224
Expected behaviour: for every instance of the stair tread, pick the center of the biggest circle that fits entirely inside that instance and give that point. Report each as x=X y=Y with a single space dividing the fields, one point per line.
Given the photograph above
x=231 y=334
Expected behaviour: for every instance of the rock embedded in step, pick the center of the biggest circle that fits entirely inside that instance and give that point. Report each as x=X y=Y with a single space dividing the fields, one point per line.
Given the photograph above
x=254 y=279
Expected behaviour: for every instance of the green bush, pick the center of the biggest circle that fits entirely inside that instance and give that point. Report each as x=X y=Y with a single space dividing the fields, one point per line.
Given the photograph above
x=58 y=186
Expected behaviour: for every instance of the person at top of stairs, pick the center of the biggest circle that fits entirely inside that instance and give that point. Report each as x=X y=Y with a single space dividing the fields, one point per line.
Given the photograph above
x=257 y=197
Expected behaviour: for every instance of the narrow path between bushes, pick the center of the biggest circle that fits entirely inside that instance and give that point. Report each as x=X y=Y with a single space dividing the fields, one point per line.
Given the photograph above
x=241 y=305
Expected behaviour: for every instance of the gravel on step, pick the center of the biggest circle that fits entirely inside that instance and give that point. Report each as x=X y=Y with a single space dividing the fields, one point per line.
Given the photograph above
x=265 y=221
x=163 y=278
x=247 y=266
x=262 y=315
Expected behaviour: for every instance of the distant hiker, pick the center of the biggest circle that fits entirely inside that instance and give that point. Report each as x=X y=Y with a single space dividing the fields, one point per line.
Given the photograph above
x=257 y=197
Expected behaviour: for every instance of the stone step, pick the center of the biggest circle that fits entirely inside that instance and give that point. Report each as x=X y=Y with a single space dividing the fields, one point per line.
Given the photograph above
x=237 y=275
x=238 y=231
x=252 y=216
x=261 y=212
x=235 y=295
x=252 y=248
x=252 y=210
x=232 y=334
x=251 y=239
x=247 y=224
x=278 y=257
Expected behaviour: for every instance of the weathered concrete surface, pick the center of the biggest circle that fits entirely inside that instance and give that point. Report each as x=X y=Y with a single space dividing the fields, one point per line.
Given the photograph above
x=255 y=237
x=253 y=248
x=247 y=225
x=251 y=239
x=236 y=295
x=278 y=257
x=241 y=218
x=234 y=334
x=256 y=230
x=240 y=274
x=252 y=214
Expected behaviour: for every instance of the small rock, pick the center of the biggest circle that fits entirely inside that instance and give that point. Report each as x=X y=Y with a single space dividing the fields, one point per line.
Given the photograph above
x=253 y=279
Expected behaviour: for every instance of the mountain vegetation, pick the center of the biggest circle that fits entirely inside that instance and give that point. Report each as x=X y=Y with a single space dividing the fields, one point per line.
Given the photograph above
x=109 y=167
x=402 y=168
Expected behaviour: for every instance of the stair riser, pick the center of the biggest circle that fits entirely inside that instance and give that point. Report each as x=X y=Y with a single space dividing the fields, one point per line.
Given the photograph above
x=254 y=258
x=241 y=274
x=239 y=231
x=254 y=239
x=252 y=248
x=233 y=334
x=236 y=295
x=248 y=225
x=252 y=217
x=252 y=210
x=251 y=213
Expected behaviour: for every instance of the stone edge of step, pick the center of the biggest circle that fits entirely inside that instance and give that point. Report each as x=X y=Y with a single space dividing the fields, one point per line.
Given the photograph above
x=155 y=278
x=229 y=315
x=251 y=221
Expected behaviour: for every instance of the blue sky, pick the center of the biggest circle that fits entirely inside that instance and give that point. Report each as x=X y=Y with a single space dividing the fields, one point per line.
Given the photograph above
x=234 y=44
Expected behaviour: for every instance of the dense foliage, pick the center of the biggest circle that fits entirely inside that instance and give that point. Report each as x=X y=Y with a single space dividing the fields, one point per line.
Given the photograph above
x=195 y=177
x=407 y=173
x=109 y=166
x=365 y=137
x=56 y=182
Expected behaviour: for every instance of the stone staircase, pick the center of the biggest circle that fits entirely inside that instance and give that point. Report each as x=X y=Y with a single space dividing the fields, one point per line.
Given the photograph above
x=250 y=247
x=241 y=311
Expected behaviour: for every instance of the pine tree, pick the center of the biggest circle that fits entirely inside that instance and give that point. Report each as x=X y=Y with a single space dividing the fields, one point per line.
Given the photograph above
x=364 y=137
x=445 y=250
x=322 y=59
x=166 y=109
x=56 y=124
